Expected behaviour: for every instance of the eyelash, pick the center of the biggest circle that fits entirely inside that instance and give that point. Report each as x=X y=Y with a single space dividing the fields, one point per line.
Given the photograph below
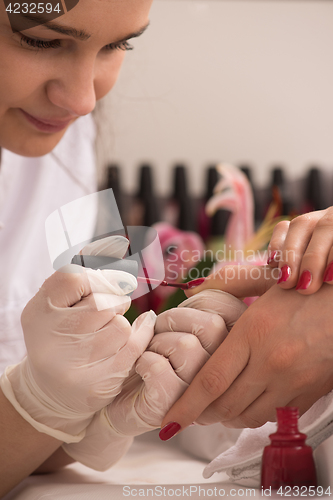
x=54 y=44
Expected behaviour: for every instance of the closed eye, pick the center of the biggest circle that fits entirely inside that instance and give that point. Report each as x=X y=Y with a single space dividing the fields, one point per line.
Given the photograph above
x=119 y=46
x=54 y=44
x=39 y=44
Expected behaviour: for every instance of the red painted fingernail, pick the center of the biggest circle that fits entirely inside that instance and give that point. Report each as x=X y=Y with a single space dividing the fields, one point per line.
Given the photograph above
x=304 y=280
x=169 y=430
x=285 y=272
x=194 y=283
x=328 y=275
x=271 y=256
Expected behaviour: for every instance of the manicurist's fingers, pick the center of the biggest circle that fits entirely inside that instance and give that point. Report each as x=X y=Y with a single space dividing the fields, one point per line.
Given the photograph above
x=184 y=352
x=222 y=303
x=209 y=328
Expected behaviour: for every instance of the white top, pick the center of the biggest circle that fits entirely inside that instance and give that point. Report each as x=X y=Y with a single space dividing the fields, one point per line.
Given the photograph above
x=30 y=190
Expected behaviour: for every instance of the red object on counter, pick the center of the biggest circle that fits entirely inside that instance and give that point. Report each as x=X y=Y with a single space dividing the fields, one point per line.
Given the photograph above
x=288 y=461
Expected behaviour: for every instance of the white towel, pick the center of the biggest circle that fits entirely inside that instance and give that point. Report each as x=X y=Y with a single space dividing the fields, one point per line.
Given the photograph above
x=242 y=462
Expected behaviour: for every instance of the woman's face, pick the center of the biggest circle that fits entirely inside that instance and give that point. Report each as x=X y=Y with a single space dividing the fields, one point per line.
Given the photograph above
x=49 y=79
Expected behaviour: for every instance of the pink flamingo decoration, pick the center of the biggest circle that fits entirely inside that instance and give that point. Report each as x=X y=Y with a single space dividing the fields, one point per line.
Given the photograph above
x=234 y=193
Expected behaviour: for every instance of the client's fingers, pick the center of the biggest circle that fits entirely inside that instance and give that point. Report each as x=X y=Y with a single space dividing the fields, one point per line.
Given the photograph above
x=277 y=241
x=240 y=280
x=211 y=382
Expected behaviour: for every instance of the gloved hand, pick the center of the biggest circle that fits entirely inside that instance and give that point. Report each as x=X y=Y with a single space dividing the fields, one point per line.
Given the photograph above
x=77 y=356
x=184 y=340
x=210 y=314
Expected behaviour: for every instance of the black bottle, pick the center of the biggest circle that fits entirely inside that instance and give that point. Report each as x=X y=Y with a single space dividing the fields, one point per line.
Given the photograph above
x=146 y=197
x=179 y=210
x=113 y=182
x=314 y=191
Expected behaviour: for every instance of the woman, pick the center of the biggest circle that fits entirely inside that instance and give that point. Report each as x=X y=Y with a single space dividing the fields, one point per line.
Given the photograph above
x=52 y=74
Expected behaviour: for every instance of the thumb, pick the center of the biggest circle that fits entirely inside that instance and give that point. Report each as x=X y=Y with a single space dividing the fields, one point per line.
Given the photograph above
x=67 y=286
x=112 y=246
x=239 y=280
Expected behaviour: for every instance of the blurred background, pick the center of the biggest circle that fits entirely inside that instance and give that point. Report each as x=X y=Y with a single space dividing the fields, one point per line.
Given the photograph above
x=245 y=82
x=248 y=82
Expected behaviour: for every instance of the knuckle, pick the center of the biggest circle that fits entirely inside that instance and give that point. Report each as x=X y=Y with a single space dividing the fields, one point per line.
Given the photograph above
x=283 y=358
x=250 y=421
x=328 y=211
x=326 y=221
x=166 y=321
x=280 y=227
x=221 y=412
x=71 y=379
x=301 y=220
x=304 y=380
x=213 y=382
x=188 y=341
x=312 y=255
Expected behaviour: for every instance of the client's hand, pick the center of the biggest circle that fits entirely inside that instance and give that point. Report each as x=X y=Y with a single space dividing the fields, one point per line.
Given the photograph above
x=184 y=340
x=77 y=356
x=279 y=353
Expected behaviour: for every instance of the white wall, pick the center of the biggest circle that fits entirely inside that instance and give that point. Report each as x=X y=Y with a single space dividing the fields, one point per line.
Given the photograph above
x=242 y=81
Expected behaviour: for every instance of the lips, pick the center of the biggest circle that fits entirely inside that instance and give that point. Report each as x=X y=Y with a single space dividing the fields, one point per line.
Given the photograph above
x=46 y=125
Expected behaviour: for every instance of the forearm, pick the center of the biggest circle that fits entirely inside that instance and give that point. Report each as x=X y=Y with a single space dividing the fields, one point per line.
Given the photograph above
x=56 y=461
x=22 y=448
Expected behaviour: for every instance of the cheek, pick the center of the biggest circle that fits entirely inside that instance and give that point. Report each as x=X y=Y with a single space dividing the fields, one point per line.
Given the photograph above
x=21 y=77
x=108 y=72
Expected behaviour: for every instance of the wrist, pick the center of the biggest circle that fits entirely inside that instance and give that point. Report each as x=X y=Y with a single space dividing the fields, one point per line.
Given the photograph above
x=39 y=410
x=102 y=446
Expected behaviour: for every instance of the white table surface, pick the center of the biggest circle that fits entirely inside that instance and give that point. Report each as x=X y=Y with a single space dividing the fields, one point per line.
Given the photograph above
x=151 y=469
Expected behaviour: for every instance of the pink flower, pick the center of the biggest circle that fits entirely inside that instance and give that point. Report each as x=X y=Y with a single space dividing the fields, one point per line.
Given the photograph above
x=182 y=250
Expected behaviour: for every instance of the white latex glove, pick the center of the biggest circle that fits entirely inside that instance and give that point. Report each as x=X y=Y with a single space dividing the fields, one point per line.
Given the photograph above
x=211 y=314
x=184 y=340
x=77 y=356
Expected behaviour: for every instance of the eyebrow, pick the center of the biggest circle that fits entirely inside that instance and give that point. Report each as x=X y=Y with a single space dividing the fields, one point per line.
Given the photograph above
x=78 y=34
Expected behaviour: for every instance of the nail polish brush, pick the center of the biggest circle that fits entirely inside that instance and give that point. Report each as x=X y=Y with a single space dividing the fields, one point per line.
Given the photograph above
x=182 y=286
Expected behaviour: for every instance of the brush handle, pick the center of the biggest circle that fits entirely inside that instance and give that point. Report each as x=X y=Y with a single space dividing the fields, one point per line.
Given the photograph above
x=152 y=281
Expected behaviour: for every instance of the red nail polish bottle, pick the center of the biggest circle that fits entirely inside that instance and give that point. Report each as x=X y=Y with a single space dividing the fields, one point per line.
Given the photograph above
x=287 y=461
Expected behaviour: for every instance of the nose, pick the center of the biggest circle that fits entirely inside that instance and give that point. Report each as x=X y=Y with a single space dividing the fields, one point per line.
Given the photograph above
x=74 y=89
